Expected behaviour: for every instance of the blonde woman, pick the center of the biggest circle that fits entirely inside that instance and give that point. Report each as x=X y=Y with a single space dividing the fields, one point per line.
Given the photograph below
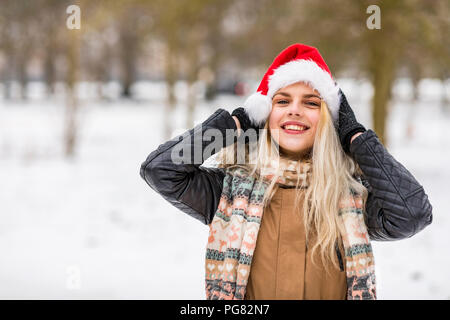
x=291 y=209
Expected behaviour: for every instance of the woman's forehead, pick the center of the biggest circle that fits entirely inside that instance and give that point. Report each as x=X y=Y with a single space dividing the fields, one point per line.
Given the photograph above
x=298 y=88
x=302 y=87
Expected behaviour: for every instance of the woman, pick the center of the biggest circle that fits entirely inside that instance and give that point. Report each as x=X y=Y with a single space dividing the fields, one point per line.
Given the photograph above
x=295 y=220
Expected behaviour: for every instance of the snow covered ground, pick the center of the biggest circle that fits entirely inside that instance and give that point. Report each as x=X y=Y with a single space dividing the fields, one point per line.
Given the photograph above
x=91 y=228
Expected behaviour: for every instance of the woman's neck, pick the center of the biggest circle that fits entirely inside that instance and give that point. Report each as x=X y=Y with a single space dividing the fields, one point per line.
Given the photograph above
x=296 y=157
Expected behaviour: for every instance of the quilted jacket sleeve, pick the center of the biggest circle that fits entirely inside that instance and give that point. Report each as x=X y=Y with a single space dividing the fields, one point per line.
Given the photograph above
x=397 y=206
x=193 y=189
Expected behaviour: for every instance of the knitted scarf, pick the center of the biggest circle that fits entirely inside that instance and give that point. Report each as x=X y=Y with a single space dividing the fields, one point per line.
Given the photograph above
x=234 y=231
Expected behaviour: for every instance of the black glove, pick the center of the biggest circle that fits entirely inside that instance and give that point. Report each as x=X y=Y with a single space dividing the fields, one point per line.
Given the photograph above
x=347 y=125
x=244 y=120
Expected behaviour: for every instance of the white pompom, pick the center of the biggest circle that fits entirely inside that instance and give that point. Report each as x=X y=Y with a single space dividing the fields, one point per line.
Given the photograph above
x=258 y=107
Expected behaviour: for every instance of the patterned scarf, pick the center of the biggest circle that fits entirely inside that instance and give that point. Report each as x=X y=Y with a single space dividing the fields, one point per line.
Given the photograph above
x=234 y=230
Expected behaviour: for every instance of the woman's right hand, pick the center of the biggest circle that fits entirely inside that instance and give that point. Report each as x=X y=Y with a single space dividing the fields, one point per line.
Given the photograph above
x=243 y=121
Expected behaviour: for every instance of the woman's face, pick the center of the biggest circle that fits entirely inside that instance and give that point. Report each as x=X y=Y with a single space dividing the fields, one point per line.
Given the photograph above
x=293 y=119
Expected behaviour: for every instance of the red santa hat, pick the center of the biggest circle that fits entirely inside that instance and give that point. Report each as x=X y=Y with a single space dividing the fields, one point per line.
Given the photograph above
x=296 y=63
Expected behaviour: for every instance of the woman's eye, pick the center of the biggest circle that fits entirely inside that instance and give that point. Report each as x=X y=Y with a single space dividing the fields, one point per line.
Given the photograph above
x=282 y=101
x=314 y=104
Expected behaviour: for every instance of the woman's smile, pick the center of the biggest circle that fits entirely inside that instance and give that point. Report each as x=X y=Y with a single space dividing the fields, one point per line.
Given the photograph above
x=294 y=127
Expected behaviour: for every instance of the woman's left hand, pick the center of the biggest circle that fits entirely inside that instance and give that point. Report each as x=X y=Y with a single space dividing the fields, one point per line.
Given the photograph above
x=348 y=126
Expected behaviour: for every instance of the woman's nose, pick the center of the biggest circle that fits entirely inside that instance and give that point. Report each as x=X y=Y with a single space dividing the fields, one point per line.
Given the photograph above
x=295 y=108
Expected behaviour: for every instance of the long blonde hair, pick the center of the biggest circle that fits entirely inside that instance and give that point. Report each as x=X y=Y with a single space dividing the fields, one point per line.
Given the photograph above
x=332 y=178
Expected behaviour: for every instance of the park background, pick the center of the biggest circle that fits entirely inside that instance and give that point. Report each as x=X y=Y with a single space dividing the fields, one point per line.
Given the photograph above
x=80 y=110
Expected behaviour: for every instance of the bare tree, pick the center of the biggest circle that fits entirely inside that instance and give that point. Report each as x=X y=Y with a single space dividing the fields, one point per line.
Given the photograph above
x=72 y=103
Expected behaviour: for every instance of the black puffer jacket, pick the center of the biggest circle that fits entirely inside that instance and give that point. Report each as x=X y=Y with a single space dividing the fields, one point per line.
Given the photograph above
x=397 y=206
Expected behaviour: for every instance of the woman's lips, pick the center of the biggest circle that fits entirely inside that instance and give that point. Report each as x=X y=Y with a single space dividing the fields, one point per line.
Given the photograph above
x=288 y=131
x=294 y=127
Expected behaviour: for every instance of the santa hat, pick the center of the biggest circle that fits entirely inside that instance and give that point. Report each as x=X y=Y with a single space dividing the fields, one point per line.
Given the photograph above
x=296 y=63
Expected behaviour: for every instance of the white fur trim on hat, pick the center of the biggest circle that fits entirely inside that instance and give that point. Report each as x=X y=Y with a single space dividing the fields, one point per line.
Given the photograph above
x=258 y=107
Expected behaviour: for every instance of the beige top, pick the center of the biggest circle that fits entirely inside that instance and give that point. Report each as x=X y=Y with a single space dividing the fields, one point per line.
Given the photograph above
x=281 y=266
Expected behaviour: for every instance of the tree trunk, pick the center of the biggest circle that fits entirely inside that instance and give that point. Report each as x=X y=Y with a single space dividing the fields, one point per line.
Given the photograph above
x=192 y=76
x=8 y=76
x=382 y=67
x=128 y=73
x=383 y=80
x=129 y=52
x=49 y=70
x=412 y=109
x=170 y=73
x=445 y=100
x=23 y=79
x=71 y=125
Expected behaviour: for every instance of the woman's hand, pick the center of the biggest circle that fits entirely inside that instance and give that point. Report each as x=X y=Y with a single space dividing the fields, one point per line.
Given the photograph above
x=242 y=120
x=348 y=128
x=238 y=125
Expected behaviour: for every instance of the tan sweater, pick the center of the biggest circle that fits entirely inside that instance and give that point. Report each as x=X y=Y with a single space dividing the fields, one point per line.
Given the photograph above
x=281 y=266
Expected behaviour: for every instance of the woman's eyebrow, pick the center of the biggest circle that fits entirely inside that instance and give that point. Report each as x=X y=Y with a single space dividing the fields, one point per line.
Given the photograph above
x=311 y=96
x=283 y=94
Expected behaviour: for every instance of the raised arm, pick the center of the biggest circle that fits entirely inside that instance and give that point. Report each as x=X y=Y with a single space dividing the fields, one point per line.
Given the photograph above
x=193 y=189
x=397 y=206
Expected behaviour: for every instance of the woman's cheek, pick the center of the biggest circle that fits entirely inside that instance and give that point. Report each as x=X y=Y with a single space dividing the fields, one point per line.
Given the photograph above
x=275 y=118
x=314 y=118
x=314 y=115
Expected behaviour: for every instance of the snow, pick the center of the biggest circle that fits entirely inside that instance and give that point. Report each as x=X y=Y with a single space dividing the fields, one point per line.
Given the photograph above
x=90 y=228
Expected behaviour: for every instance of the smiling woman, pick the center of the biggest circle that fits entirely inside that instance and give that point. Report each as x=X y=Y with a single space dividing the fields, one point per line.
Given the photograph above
x=319 y=186
x=293 y=120
x=311 y=168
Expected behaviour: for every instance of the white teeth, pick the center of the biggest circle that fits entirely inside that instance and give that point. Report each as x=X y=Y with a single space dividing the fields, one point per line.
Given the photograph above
x=294 y=127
